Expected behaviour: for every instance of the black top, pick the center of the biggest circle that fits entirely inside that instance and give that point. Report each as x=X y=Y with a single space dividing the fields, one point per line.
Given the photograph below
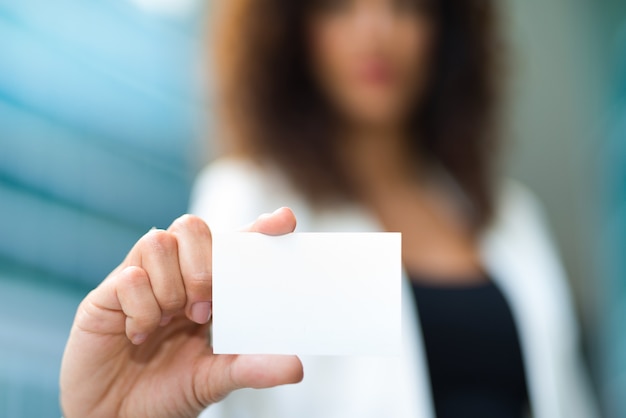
x=473 y=351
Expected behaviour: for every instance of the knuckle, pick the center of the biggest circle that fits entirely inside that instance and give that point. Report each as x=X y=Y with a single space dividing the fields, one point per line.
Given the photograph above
x=160 y=241
x=147 y=319
x=133 y=276
x=193 y=224
x=174 y=302
x=200 y=278
x=199 y=282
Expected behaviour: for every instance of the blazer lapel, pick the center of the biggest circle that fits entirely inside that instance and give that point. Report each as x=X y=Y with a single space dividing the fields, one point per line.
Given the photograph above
x=512 y=261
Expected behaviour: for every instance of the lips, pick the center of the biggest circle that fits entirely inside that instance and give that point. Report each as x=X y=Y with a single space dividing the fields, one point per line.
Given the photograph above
x=376 y=72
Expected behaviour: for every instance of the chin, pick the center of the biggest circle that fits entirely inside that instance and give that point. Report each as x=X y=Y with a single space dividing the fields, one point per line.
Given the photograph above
x=375 y=117
x=374 y=111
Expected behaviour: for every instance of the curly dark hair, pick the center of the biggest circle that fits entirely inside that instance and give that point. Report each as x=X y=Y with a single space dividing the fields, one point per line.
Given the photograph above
x=275 y=112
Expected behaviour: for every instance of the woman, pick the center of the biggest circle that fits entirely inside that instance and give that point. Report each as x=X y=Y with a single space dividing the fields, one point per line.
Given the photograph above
x=360 y=115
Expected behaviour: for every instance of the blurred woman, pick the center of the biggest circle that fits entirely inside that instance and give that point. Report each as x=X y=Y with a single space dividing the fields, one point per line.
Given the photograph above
x=360 y=115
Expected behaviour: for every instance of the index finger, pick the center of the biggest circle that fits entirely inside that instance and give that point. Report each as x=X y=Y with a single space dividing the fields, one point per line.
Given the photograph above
x=195 y=256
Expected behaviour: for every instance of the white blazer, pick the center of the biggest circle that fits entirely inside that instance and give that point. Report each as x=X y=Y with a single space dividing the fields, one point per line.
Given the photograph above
x=516 y=251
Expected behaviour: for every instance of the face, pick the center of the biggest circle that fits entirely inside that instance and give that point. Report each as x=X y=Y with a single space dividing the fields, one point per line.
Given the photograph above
x=371 y=57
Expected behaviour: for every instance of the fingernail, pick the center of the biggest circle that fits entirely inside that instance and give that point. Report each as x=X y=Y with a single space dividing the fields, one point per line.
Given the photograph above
x=139 y=338
x=201 y=312
x=165 y=320
x=278 y=210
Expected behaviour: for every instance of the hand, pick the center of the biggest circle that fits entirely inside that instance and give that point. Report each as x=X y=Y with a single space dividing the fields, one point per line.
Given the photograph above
x=138 y=346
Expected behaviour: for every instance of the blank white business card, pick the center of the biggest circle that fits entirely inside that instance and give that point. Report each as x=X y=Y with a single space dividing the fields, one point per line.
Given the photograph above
x=307 y=293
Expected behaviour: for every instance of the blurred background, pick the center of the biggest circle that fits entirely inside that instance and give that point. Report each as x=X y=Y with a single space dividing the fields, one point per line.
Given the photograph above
x=105 y=119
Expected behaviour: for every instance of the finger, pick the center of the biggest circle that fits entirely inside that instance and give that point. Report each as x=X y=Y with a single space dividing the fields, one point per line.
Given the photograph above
x=158 y=253
x=224 y=374
x=138 y=303
x=280 y=222
x=194 y=255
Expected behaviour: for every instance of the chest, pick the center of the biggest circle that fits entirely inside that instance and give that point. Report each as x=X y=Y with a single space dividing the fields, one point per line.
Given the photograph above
x=436 y=240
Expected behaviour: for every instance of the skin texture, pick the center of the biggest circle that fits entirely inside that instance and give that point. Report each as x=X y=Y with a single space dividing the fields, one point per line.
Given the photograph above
x=137 y=347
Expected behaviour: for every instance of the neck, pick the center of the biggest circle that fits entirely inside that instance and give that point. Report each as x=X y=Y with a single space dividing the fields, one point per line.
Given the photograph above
x=378 y=160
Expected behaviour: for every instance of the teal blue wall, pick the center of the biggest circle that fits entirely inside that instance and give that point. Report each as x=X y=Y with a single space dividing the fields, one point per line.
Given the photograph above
x=612 y=247
x=99 y=126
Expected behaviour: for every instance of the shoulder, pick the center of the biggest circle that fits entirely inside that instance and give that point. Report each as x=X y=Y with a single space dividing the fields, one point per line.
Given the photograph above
x=227 y=193
x=518 y=209
x=228 y=171
x=514 y=195
x=231 y=192
x=520 y=247
x=521 y=229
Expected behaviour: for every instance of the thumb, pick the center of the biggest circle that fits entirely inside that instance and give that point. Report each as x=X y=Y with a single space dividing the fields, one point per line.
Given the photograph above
x=227 y=373
x=281 y=221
